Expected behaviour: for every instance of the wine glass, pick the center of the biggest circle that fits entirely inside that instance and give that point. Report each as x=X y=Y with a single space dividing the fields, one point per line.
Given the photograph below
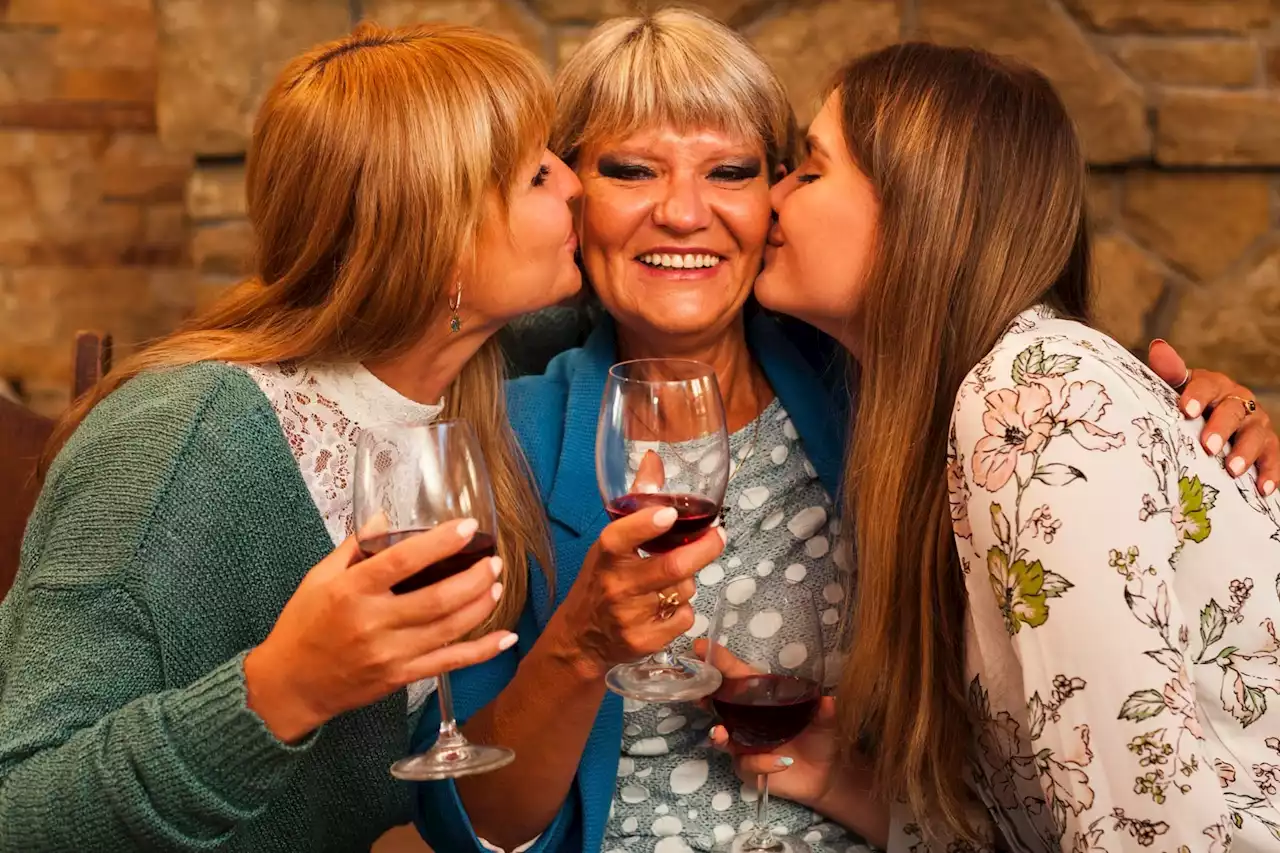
x=662 y=442
x=408 y=479
x=766 y=640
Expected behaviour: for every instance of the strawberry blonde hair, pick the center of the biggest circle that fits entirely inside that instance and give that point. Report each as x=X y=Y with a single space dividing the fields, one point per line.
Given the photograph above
x=373 y=161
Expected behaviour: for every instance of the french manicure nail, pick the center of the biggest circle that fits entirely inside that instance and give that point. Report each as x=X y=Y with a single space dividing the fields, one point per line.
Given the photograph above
x=724 y=537
x=496 y=591
x=1236 y=465
x=467 y=527
x=495 y=563
x=1214 y=444
x=1193 y=409
x=508 y=641
x=665 y=517
x=1268 y=487
x=784 y=761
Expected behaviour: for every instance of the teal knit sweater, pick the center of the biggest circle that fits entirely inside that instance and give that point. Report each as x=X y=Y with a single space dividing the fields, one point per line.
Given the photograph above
x=170 y=533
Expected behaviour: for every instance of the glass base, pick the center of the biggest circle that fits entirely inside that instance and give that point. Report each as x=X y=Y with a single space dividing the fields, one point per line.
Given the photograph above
x=750 y=842
x=664 y=678
x=467 y=759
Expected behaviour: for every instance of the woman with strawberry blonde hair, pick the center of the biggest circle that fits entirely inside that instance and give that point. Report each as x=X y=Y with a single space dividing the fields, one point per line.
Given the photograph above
x=194 y=655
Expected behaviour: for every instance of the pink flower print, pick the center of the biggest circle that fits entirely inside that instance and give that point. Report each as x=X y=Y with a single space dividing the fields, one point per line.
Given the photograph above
x=958 y=490
x=1076 y=408
x=1016 y=424
x=1180 y=699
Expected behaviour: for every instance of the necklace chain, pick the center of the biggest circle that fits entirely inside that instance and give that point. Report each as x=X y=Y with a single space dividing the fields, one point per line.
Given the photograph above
x=751 y=448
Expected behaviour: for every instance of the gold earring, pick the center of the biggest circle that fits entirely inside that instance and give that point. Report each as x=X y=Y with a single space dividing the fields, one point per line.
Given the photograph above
x=455 y=322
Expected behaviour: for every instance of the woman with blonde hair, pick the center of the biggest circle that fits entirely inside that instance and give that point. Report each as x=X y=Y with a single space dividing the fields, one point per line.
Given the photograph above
x=187 y=661
x=1066 y=606
x=676 y=127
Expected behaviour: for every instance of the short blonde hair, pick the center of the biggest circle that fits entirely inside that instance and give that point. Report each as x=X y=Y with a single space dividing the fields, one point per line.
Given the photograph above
x=673 y=68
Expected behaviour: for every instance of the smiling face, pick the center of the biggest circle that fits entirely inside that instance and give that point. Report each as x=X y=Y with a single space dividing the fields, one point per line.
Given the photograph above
x=673 y=227
x=822 y=246
x=526 y=261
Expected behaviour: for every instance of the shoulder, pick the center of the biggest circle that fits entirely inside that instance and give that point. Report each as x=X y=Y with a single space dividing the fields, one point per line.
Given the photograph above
x=199 y=430
x=1066 y=367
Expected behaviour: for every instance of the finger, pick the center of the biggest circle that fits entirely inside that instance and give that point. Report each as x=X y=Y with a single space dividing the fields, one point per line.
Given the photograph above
x=1247 y=445
x=460 y=655
x=1166 y=363
x=1225 y=419
x=347 y=554
x=651 y=475
x=762 y=764
x=676 y=566
x=622 y=537
x=387 y=568
x=1269 y=462
x=729 y=664
x=1207 y=389
x=718 y=739
x=477 y=586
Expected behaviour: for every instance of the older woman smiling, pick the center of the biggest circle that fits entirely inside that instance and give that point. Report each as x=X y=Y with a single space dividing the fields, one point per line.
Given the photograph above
x=676 y=128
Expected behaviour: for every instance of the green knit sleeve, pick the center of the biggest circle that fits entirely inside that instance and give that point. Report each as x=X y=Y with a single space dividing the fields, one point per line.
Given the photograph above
x=97 y=751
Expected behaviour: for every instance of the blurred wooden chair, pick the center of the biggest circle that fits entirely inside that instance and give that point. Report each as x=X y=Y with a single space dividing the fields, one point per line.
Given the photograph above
x=23 y=435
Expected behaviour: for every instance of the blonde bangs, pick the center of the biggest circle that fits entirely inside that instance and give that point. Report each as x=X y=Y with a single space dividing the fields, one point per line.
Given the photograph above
x=677 y=69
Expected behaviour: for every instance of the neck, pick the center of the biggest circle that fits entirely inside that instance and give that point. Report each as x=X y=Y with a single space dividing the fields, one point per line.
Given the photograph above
x=425 y=371
x=745 y=389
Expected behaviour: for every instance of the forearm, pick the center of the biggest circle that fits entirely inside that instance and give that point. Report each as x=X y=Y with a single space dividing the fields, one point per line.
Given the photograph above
x=172 y=771
x=545 y=714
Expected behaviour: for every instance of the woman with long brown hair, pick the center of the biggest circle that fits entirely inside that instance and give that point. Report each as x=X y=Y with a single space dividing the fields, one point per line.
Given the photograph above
x=1065 y=607
x=186 y=661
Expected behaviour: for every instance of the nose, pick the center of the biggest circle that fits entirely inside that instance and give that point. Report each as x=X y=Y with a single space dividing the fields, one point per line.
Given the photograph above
x=778 y=192
x=682 y=209
x=571 y=186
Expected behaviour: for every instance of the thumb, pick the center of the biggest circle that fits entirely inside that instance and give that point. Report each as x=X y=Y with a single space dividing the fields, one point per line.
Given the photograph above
x=1166 y=363
x=651 y=475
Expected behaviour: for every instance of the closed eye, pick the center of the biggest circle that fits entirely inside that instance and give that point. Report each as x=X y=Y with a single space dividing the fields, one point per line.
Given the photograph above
x=544 y=172
x=745 y=172
x=806 y=178
x=623 y=171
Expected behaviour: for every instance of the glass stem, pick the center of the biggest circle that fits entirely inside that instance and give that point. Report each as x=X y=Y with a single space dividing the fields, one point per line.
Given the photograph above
x=762 y=836
x=450 y=737
x=663 y=658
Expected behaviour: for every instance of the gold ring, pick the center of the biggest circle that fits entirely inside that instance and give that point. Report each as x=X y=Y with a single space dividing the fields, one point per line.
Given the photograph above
x=1250 y=406
x=668 y=604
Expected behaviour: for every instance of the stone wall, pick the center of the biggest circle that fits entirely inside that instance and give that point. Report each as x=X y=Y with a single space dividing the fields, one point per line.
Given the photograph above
x=1178 y=102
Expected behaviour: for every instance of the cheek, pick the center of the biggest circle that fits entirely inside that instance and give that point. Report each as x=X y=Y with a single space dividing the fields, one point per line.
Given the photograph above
x=747 y=216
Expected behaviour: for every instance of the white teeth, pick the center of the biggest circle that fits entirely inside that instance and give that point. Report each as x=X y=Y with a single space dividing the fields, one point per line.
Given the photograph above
x=678 y=262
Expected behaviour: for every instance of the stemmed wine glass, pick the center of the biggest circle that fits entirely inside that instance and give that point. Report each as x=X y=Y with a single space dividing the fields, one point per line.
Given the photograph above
x=408 y=479
x=662 y=442
x=766 y=640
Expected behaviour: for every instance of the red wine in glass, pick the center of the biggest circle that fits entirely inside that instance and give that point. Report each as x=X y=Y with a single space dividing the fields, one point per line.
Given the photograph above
x=693 y=515
x=482 y=545
x=761 y=712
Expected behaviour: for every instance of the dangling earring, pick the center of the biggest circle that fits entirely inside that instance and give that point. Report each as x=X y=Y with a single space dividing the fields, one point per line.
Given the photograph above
x=455 y=322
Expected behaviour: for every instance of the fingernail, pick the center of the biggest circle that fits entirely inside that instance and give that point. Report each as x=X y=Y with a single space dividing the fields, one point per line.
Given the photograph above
x=1159 y=341
x=724 y=537
x=1268 y=487
x=665 y=517
x=1236 y=465
x=496 y=591
x=1214 y=444
x=785 y=762
x=495 y=563
x=508 y=641
x=1193 y=409
x=467 y=527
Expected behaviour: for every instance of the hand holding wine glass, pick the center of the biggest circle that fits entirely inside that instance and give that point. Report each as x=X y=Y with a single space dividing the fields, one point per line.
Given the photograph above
x=343 y=642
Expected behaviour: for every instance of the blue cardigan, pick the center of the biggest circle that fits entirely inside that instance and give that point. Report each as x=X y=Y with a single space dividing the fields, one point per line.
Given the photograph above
x=554 y=416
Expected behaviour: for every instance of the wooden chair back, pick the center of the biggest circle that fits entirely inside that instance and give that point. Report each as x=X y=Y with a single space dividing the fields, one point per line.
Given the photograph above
x=23 y=434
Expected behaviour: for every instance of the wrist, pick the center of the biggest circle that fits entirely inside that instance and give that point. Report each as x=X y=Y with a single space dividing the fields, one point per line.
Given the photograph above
x=284 y=714
x=562 y=646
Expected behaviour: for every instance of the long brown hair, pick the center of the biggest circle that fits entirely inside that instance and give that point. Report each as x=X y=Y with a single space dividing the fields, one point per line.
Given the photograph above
x=373 y=161
x=981 y=183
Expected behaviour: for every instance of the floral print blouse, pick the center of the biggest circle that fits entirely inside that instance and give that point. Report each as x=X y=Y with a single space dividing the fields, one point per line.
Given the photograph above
x=1123 y=597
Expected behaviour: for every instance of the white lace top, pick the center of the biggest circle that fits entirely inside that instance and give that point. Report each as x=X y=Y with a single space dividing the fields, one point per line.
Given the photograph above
x=321 y=408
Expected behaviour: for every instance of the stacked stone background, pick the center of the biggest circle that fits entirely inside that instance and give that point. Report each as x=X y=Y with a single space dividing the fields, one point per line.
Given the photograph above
x=123 y=125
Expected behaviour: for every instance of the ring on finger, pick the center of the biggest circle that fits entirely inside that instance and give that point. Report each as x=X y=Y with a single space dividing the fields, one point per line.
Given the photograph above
x=1183 y=383
x=1250 y=406
x=668 y=604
